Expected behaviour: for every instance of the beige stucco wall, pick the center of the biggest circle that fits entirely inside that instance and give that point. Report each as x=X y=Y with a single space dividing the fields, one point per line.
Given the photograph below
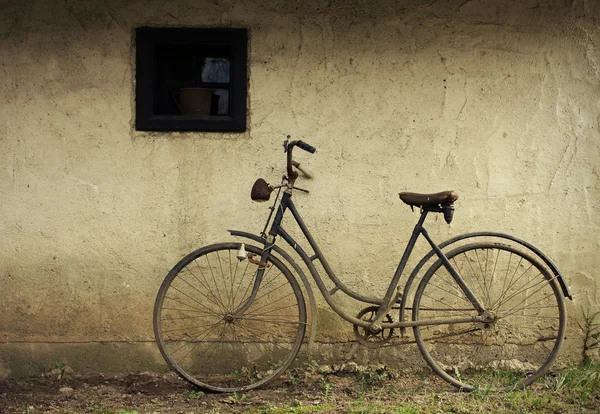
x=498 y=100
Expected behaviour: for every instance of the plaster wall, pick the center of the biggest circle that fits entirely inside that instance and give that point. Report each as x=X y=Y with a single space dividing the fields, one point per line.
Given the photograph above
x=498 y=100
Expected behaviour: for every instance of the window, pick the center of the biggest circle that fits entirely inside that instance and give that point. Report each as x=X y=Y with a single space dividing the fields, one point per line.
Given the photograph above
x=191 y=79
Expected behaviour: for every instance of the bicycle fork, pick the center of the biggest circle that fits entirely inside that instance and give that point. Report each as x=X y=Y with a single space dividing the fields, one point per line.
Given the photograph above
x=260 y=272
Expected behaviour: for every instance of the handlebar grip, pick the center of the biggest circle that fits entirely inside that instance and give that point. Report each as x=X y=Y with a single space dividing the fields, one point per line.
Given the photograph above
x=306 y=147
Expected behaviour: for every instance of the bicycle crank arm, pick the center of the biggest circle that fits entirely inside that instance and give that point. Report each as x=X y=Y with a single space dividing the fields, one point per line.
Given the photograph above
x=376 y=325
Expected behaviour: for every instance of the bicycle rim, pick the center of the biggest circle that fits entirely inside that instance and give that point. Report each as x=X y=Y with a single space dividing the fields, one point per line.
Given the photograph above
x=199 y=334
x=528 y=313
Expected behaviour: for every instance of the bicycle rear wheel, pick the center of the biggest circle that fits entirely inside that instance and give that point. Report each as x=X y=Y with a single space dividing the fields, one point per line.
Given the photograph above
x=201 y=337
x=521 y=297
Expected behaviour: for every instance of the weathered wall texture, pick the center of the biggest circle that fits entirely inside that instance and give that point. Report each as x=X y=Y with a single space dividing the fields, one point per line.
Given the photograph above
x=498 y=100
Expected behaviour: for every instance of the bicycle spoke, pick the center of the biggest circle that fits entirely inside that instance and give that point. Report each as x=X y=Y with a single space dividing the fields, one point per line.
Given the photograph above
x=273 y=321
x=238 y=304
x=270 y=334
x=192 y=299
x=473 y=272
x=515 y=310
x=198 y=290
x=512 y=284
x=232 y=277
x=215 y=282
x=441 y=301
x=524 y=288
x=191 y=308
x=188 y=317
x=270 y=312
x=213 y=327
x=252 y=335
x=218 y=341
x=275 y=301
x=269 y=292
x=207 y=286
x=463 y=298
x=223 y=277
x=483 y=276
x=494 y=269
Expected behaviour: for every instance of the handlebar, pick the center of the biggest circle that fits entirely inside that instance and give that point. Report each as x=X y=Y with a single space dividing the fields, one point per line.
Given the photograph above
x=306 y=147
x=289 y=146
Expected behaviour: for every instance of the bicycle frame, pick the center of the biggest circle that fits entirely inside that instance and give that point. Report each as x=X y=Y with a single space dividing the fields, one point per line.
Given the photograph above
x=390 y=297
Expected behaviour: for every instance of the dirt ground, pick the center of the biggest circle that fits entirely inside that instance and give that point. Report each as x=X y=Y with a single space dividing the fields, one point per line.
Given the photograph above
x=314 y=392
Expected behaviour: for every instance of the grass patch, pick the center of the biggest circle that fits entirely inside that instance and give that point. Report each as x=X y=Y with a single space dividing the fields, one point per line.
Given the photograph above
x=292 y=409
x=576 y=389
x=573 y=390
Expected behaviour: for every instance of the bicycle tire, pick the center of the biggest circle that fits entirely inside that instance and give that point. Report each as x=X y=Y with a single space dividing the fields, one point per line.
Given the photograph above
x=201 y=340
x=529 y=322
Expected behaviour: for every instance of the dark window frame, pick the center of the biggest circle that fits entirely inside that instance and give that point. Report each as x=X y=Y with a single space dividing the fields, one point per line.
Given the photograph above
x=233 y=38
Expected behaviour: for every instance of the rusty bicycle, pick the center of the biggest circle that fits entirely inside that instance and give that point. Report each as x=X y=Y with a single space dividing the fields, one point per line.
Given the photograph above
x=488 y=313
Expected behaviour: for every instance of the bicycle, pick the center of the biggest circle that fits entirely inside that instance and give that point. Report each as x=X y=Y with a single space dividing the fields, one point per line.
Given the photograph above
x=231 y=317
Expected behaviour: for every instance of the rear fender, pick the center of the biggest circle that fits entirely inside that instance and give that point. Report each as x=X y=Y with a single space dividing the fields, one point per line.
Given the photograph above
x=553 y=268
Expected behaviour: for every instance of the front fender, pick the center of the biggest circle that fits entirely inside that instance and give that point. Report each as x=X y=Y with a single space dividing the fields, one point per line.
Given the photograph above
x=311 y=298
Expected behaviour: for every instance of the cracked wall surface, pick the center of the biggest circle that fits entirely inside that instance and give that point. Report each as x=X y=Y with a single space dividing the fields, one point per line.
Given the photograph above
x=497 y=100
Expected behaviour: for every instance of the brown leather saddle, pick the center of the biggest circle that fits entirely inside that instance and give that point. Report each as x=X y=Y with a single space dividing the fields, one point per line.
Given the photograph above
x=439 y=202
x=426 y=200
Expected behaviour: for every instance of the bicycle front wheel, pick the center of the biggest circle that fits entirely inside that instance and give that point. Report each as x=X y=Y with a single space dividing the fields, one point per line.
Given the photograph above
x=526 y=311
x=201 y=332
